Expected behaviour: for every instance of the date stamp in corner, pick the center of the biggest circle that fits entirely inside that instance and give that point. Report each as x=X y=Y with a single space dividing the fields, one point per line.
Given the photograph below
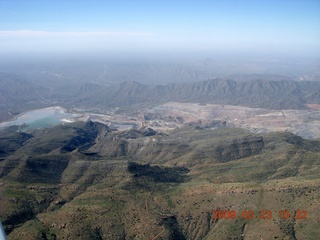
x=262 y=214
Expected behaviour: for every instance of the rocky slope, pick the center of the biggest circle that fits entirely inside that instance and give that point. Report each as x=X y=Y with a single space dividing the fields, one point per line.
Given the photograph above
x=84 y=181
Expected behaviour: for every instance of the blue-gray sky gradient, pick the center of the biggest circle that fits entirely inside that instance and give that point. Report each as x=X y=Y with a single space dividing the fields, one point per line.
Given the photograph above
x=263 y=26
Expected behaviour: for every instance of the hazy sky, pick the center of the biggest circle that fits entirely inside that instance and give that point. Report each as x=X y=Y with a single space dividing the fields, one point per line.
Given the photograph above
x=274 y=26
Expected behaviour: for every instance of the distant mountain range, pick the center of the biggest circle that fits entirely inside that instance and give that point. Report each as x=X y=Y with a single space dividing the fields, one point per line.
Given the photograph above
x=283 y=94
x=86 y=180
x=17 y=95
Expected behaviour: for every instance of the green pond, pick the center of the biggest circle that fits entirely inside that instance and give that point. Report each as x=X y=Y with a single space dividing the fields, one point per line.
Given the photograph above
x=41 y=118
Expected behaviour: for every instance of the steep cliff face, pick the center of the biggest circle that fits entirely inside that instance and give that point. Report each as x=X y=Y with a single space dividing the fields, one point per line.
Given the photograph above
x=191 y=150
x=43 y=155
x=149 y=147
x=238 y=148
x=11 y=142
x=46 y=169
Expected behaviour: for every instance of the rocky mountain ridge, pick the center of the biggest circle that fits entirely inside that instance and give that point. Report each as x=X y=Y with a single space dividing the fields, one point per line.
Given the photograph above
x=86 y=181
x=20 y=95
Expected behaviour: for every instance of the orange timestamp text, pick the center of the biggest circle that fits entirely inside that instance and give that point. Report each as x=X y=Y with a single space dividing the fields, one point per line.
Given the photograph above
x=263 y=214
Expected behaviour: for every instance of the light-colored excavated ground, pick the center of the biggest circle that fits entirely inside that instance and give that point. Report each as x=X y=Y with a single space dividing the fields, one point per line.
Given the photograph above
x=305 y=123
x=173 y=115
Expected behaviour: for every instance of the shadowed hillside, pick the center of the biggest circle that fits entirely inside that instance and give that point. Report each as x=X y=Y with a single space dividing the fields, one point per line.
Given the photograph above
x=84 y=181
x=283 y=94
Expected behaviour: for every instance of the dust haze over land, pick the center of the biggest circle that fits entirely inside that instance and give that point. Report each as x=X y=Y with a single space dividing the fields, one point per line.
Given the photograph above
x=160 y=119
x=156 y=69
x=133 y=84
x=152 y=145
